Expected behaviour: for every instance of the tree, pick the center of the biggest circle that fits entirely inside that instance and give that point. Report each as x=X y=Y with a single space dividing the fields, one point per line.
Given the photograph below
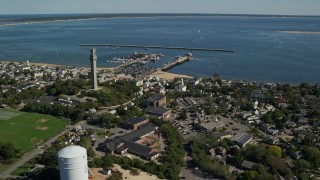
x=8 y=151
x=250 y=175
x=312 y=155
x=266 y=118
x=275 y=150
x=277 y=115
x=199 y=148
x=183 y=115
x=116 y=176
x=302 y=164
x=86 y=143
x=134 y=172
x=48 y=173
x=50 y=156
x=107 y=120
x=278 y=166
x=255 y=153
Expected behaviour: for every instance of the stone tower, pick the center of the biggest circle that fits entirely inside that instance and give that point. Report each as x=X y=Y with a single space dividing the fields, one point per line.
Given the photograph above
x=93 y=59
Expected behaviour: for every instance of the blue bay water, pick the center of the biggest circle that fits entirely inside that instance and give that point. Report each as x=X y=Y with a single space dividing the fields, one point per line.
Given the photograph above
x=262 y=51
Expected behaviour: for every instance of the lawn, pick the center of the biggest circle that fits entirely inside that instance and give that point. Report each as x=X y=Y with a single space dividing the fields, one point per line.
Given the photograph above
x=25 y=130
x=3 y=167
x=22 y=170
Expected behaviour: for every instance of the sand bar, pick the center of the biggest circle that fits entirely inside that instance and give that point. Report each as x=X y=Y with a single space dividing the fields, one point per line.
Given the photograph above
x=300 y=32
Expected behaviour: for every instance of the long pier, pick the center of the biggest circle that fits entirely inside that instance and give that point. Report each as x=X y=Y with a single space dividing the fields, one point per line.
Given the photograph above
x=157 y=47
x=175 y=62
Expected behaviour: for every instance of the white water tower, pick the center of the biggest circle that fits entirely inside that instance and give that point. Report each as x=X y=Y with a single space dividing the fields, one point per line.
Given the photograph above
x=73 y=163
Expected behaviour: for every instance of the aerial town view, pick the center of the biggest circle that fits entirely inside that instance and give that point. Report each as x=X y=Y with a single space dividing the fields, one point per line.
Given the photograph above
x=147 y=90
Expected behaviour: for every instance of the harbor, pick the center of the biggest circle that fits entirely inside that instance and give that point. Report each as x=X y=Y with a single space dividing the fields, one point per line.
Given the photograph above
x=135 y=64
x=138 y=58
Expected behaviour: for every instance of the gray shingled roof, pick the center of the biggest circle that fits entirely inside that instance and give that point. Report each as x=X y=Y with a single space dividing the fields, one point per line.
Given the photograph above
x=135 y=135
x=135 y=120
x=128 y=141
x=155 y=98
x=137 y=149
x=156 y=110
x=249 y=165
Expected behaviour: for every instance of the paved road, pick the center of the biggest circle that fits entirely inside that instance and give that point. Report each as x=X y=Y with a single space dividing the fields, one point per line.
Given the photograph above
x=188 y=174
x=34 y=153
x=107 y=109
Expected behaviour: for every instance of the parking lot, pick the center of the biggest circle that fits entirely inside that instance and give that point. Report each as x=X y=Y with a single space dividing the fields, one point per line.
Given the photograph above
x=190 y=101
x=188 y=130
x=234 y=126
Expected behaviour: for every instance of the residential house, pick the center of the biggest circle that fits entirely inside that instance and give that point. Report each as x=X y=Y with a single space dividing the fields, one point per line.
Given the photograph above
x=249 y=165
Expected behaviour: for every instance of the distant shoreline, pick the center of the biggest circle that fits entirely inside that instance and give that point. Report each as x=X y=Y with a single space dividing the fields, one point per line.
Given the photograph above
x=81 y=17
x=301 y=32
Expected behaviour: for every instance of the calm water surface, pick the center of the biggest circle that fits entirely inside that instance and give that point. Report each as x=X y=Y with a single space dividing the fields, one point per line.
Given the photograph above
x=262 y=51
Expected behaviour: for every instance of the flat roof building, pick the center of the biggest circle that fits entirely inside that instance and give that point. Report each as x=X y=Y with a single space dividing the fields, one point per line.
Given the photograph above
x=208 y=127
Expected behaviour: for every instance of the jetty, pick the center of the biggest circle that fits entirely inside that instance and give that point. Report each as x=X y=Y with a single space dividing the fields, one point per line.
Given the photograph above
x=157 y=47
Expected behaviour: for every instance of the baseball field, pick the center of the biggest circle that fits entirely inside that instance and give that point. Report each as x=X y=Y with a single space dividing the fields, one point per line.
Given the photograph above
x=26 y=130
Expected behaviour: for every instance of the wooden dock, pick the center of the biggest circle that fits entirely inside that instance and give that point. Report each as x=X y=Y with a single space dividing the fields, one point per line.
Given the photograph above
x=175 y=62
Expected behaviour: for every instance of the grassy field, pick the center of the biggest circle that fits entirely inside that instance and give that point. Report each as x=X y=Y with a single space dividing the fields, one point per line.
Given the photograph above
x=3 y=167
x=25 y=130
x=22 y=170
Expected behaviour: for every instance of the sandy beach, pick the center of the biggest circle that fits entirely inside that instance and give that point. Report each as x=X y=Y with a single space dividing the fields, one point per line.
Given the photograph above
x=299 y=32
x=169 y=76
